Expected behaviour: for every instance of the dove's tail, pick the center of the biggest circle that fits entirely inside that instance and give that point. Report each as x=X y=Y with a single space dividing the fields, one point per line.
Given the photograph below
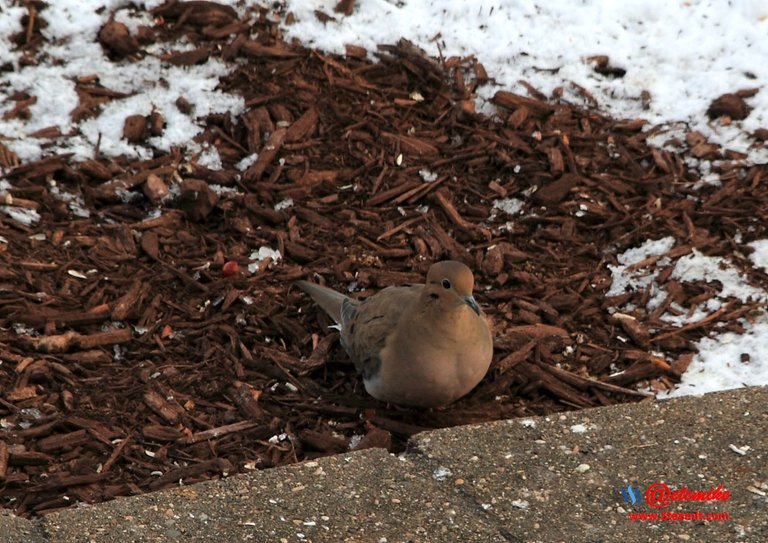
x=328 y=299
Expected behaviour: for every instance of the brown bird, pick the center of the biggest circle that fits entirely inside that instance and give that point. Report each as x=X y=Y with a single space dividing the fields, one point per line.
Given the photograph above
x=421 y=345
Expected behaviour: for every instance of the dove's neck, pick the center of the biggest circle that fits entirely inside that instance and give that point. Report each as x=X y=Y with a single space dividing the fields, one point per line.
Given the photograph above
x=445 y=320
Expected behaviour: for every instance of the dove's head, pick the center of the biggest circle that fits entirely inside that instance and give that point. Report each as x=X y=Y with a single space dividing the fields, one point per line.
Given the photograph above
x=449 y=284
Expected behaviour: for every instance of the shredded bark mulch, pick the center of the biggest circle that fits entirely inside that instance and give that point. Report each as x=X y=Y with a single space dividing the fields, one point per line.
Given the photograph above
x=140 y=353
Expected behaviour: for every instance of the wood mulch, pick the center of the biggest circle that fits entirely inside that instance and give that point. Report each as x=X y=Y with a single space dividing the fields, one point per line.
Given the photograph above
x=137 y=353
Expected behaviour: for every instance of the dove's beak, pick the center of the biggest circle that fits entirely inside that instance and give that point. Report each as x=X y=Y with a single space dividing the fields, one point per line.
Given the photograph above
x=471 y=302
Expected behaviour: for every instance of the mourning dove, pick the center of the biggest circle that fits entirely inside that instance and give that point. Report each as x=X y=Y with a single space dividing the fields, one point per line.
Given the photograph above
x=421 y=345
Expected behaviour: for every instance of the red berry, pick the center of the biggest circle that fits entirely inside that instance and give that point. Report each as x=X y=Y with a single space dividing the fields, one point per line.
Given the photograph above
x=230 y=269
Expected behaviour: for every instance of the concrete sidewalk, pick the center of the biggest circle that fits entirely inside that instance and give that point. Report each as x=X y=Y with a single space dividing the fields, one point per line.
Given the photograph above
x=540 y=479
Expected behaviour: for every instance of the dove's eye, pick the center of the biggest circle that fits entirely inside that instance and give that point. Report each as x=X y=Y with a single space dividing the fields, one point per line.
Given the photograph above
x=446 y=284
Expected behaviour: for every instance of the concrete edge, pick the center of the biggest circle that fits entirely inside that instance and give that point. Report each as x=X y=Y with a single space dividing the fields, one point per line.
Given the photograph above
x=15 y=529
